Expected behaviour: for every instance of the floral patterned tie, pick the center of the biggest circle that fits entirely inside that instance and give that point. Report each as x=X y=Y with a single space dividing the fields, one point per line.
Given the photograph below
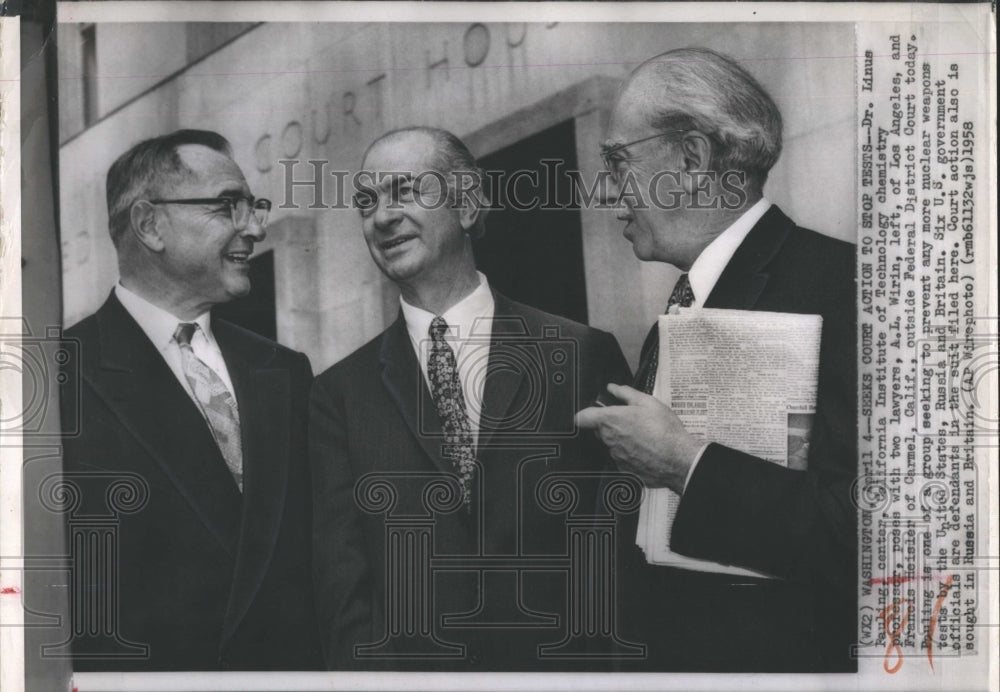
x=446 y=388
x=215 y=401
x=682 y=296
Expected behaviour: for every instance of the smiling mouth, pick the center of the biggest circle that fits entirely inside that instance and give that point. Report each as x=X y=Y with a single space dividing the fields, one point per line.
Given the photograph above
x=395 y=242
x=241 y=257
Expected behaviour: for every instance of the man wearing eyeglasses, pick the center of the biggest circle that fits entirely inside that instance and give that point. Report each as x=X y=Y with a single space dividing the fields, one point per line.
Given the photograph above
x=204 y=421
x=455 y=415
x=689 y=144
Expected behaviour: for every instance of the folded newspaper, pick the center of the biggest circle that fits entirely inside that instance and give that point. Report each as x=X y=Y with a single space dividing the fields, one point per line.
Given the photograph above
x=743 y=379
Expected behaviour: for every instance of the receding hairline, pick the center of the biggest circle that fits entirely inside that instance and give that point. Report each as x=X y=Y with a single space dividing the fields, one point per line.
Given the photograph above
x=151 y=163
x=183 y=152
x=194 y=146
x=394 y=135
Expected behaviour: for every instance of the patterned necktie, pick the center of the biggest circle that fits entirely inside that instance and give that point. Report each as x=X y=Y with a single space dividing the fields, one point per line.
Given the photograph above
x=215 y=401
x=645 y=378
x=446 y=388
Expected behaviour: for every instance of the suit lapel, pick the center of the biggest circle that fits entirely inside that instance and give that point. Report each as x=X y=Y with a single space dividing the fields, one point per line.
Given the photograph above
x=504 y=379
x=263 y=395
x=744 y=278
x=404 y=381
x=138 y=386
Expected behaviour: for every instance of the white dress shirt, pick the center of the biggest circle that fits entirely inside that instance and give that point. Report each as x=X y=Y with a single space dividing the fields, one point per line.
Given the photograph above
x=710 y=264
x=470 y=324
x=159 y=325
x=712 y=261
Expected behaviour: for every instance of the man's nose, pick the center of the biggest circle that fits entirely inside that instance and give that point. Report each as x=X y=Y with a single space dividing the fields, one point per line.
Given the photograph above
x=387 y=212
x=616 y=202
x=254 y=230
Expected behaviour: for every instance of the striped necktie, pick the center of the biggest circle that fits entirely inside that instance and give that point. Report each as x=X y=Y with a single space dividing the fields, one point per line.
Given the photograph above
x=216 y=402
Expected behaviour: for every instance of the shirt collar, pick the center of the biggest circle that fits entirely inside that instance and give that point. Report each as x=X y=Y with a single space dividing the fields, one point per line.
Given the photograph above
x=461 y=317
x=158 y=324
x=712 y=261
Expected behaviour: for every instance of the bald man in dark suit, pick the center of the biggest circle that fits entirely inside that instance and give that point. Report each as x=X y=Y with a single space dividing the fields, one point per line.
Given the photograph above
x=454 y=417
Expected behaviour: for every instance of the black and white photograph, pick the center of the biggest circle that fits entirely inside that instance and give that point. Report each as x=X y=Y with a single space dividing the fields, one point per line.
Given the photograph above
x=368 y=345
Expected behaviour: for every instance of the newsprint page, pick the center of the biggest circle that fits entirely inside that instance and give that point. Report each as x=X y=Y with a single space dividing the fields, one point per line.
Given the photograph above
x=500 y=346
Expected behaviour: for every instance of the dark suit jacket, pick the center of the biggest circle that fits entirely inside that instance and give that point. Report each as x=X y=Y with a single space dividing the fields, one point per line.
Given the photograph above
x=207 y=578
x=741 y=510
x=372 y=413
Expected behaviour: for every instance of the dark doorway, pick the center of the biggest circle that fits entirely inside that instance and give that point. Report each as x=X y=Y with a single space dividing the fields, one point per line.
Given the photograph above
x=254 y=311
x=535 y=256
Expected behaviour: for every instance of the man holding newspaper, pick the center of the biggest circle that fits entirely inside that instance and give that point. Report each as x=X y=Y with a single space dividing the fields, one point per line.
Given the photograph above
x=754 y=566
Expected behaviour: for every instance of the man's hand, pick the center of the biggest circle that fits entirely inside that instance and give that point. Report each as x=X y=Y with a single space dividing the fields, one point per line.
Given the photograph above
x=644 y=437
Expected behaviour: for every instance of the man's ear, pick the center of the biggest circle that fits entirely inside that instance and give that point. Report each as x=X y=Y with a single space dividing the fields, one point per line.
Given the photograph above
x=472 y=211
x=696 y=150
x=142 y=224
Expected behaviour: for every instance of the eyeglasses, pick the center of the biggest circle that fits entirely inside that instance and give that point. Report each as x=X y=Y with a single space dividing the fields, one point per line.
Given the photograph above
x=239 y=208
x=618 y=165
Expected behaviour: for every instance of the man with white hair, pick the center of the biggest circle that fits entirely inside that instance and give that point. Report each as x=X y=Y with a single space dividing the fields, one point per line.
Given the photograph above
x=689 y=145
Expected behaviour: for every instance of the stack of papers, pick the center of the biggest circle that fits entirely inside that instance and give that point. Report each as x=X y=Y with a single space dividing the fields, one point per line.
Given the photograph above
x=743 y=379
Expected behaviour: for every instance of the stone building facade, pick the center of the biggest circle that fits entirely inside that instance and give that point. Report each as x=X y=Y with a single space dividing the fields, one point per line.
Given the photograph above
x=322 y=91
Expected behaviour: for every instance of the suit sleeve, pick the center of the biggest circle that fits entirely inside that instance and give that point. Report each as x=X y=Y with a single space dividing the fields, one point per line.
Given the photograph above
x=800 y=525
x=340 y=568
x=616 y=367
x=602 y=362
x=609 y=366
